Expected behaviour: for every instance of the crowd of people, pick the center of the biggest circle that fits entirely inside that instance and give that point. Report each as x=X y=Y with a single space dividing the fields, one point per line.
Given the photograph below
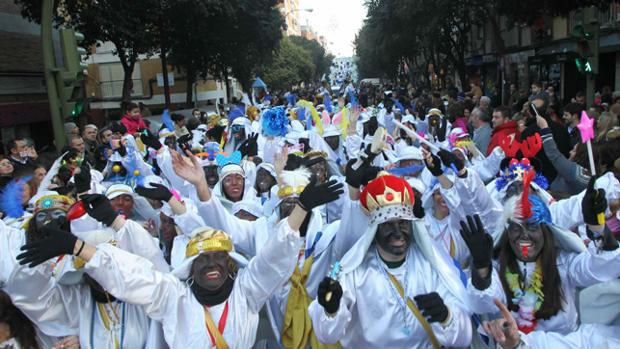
x=378 y=217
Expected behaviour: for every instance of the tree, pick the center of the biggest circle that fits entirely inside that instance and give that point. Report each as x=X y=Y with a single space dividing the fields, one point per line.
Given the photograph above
x=291 y=65
x=529 y=11
x=321 y=59
x=129 y=25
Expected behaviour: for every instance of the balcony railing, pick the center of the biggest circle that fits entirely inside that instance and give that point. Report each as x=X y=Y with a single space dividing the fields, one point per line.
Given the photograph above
x=114 y=89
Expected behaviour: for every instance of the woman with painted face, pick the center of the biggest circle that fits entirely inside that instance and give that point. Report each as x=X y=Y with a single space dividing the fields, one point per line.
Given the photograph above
x=541 y=266
x=232 y=186
x=396 y=290
x=213 y=287
x=287 y=310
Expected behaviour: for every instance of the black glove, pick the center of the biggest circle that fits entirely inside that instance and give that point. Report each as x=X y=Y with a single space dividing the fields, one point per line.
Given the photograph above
x=158 y=192
x=333 y=286
x=448 y=159
x=355 y=178
x=99 y=207
x=82 y=179
x=432 y=307
x=249 y=147
x=184 y=141
x=150 y=140
x=418 y=210
x=293 y=162
x=441 y=131
x=435 y=167
x=57 y=242
x=371 y=173
x=480 y=243
x=316 y=195
x=593 y=203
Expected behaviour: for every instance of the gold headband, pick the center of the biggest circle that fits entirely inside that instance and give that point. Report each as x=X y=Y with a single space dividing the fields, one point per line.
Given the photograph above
x=209 y=240
x=287 y=190
x=48 y=202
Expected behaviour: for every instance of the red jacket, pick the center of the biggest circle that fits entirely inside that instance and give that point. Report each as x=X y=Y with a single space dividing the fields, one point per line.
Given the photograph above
x=504 y=130
x=132 y=125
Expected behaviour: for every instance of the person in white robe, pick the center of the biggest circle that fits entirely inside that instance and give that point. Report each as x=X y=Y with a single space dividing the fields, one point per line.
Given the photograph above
x=210 y=287
x=395 y=290
x=287 y=308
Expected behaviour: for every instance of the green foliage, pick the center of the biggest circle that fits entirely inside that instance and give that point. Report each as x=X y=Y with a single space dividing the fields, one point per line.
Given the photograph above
x=291 y=65
x=321 y=59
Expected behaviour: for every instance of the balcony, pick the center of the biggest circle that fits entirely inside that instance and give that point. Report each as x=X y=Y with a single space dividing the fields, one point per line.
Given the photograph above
x=114 y=89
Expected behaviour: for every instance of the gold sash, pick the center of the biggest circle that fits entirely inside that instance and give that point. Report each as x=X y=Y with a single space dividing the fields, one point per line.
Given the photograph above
x=416 y=312
x=297 y=327
x=220 y=343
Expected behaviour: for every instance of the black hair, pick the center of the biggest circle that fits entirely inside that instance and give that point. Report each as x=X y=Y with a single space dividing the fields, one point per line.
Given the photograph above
x=177 y=117
x=13 y=142
x=21 y=328
x=552 y=283
x=574 y=108
x=505 y=111
x=130 y=106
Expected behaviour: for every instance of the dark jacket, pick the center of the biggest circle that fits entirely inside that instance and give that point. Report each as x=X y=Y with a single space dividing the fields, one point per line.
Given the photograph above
x=560 y=136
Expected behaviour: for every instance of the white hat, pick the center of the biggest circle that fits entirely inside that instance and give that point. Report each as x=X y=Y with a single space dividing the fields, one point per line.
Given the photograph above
x=409 y=153
x=408 y=118
x=231 y=168
x=250 y=206
x=331 y=131
x=116 y=190
x=267 y=167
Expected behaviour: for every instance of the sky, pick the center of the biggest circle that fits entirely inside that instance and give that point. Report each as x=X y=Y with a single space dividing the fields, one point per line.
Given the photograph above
x=337 y=20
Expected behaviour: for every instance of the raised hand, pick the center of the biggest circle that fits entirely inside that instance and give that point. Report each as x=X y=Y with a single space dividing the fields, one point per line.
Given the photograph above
x=57 y=242
x=82 y=179
x=149 y=139
x=503 y=330
x=441 y=131
x=432 y=307
x=316 y=195
x=329 y=286
x=190 y=171
x=99 y=207
x=432 y=163
x=157 y=192
x=480 y=243
x=593 y=204
x=249 y=147
x=450 y=159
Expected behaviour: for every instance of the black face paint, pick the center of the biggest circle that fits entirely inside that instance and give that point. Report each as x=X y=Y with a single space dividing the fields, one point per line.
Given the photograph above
x=394 y=237
x=286 y=207
x=46 y=216
x=211 y=269
x=333 y=142
x=211 y=175
x=264 y=181
x=526 y=241
x=320 y=171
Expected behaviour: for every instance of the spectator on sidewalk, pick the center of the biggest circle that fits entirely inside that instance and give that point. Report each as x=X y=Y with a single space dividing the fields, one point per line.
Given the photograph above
x=502 y=127
x=89 y=135
x=571 y=117
x=482 y=129
x=21 y=155
x=132 y=119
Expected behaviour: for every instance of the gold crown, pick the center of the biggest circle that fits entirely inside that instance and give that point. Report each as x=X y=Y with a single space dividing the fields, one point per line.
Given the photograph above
x=208 y=240
x=386 y=190
x=55 y=201
x=288 y=190
x=315 y=154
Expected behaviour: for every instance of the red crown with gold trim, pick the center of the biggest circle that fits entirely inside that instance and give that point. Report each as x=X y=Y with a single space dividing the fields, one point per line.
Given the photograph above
x=388 y=197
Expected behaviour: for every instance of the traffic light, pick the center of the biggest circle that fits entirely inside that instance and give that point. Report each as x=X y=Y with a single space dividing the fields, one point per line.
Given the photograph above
x=587 y=47
x=71 y=76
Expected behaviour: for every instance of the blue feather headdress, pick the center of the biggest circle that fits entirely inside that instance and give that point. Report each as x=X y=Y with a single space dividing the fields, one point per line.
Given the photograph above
x=166 y=120
x=275 y=122
x=11 y=198
x=238 y=112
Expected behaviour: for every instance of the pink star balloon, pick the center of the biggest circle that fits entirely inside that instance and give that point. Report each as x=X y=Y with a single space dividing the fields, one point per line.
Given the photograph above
x=586 y=127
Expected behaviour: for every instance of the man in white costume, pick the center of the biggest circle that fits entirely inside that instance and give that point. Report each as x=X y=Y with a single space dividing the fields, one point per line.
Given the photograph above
x=210 y=287
x=394 y=257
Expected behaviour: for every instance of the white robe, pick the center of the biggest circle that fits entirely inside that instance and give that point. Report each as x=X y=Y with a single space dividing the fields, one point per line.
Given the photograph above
x=250 y=237
x=171 y=301
x=370 y=316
